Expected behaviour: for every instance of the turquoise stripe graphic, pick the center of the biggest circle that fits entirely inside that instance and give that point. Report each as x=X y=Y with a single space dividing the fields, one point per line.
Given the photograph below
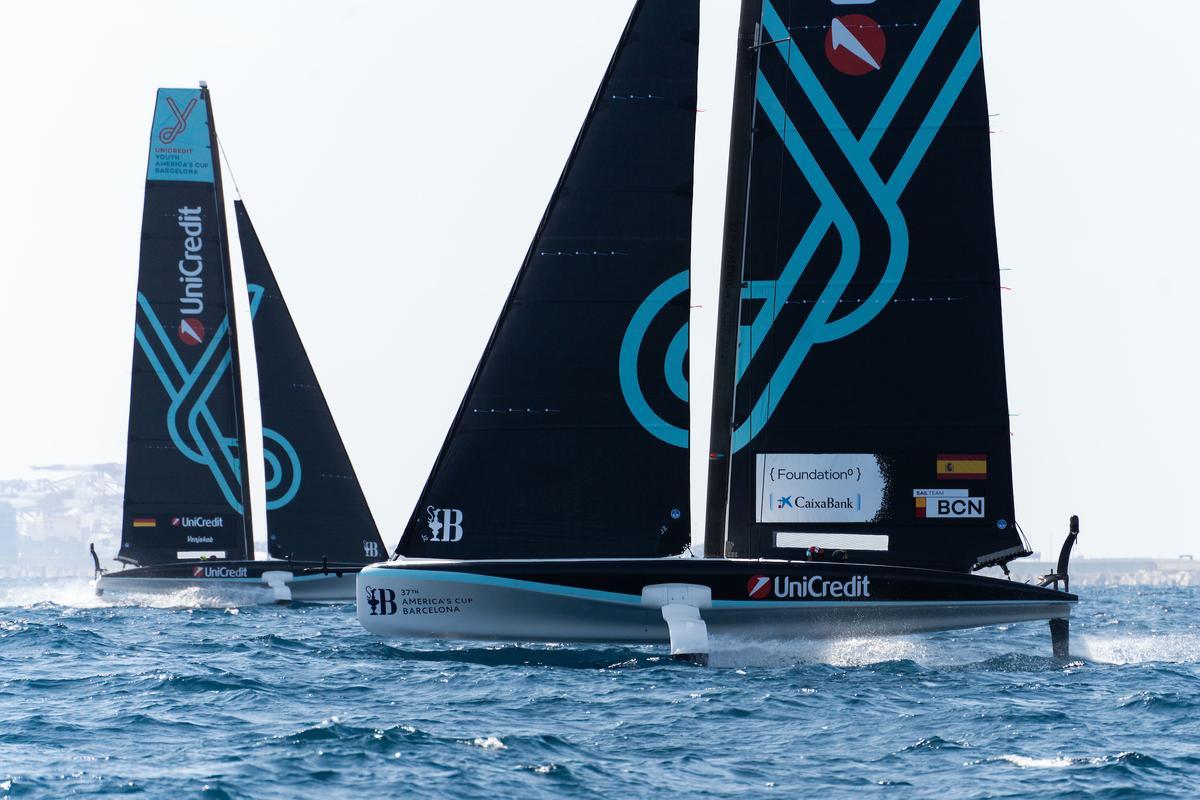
x=205 y=443
x=832 y=214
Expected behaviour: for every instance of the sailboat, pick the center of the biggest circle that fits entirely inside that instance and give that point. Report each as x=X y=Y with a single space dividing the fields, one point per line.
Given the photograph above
x=860 y=473
x=187 y=519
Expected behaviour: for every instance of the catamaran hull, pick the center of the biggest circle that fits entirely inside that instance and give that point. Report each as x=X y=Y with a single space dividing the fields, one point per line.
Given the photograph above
x=248 y=581
x=601 y=601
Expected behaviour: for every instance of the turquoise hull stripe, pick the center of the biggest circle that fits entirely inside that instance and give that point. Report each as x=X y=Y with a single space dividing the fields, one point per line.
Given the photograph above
x=636 y=600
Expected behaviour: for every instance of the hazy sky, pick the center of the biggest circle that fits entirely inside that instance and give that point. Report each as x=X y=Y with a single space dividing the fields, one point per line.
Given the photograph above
x=397 y=156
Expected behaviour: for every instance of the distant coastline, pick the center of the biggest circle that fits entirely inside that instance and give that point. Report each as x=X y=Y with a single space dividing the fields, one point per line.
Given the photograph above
x=1113 y=571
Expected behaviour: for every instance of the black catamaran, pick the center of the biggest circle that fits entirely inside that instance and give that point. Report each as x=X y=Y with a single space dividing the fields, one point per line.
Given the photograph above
x=187 y=519
x=860 y=467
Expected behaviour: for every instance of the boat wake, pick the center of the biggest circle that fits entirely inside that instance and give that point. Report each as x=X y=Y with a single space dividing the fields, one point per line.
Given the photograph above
x=79 y=593
x=729 y=652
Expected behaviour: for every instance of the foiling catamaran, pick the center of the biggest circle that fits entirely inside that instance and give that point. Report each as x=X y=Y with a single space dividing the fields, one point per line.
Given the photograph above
x=860 y=469
x=187 y=519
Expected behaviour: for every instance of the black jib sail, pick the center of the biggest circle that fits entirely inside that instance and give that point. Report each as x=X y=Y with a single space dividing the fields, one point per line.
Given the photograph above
x=572 y=439
x=861 y=339
x=315 y=505
x=184 y=475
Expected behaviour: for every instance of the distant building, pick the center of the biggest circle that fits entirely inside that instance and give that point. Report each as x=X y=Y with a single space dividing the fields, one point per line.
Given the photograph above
x=47 y=523
x=8 y=532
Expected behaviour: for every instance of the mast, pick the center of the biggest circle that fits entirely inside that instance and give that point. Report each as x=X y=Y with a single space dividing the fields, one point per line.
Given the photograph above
x=239 y=406
x=733 y=253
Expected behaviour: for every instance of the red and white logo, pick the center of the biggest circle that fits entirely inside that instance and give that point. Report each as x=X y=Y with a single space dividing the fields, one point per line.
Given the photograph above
x=855 y=44
x=191 y=331
x=197 y=572
x=175 y=521
x=759 y=586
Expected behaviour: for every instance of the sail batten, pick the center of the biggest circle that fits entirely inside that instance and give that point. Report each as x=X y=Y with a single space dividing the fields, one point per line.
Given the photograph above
x=861 y=339
x=571 y=440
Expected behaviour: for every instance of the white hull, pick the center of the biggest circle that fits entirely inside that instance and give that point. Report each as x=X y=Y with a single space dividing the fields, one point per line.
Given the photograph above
x=447 y=604
x=302 y=588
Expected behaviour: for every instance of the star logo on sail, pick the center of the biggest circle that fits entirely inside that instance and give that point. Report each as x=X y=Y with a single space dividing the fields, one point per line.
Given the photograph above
x=855 y=45
x=191 y=331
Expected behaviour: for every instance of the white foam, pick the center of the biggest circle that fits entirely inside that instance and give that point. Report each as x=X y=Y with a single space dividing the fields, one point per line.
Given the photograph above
x=732 y=652
x=1176 y=648
x=1027 y=762
x=80 y=593
x=490 y=743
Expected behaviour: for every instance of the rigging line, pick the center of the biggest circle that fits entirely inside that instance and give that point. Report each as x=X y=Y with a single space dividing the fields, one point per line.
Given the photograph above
x=229 y=167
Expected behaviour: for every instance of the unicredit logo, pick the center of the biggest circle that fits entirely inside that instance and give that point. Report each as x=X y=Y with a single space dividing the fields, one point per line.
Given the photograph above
x=218 y=572
x=198 y=522
x=191 y=331
x=758 y=587
x=812 y=587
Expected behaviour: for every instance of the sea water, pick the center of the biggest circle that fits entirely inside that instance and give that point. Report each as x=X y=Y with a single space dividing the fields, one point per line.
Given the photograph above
x=200 y=696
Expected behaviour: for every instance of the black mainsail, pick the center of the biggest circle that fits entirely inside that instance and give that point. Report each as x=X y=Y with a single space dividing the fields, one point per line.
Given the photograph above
x=572 y=439
x=184 y=471
x=861 y=438
x=315 y=505
x=861 y=344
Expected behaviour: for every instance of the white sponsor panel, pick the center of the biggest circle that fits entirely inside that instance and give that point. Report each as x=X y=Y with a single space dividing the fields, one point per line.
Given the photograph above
x=802 y=540
x=949 y=504
x=819 y=487
x=954 y=508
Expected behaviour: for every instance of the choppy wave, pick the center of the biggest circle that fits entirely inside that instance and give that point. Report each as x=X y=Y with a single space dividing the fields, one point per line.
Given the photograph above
x=189 y=697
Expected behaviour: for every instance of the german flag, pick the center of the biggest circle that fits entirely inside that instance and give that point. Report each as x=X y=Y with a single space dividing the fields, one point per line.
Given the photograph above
x=145 y=522
x=958 y=467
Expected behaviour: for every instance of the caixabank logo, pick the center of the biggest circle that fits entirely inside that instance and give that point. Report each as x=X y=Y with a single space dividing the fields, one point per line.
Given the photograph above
x=811 y=587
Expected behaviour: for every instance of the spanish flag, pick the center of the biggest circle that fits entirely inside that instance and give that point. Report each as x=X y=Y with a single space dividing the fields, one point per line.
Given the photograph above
x=919 y=509
x=959 y=467
x=145 y=522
